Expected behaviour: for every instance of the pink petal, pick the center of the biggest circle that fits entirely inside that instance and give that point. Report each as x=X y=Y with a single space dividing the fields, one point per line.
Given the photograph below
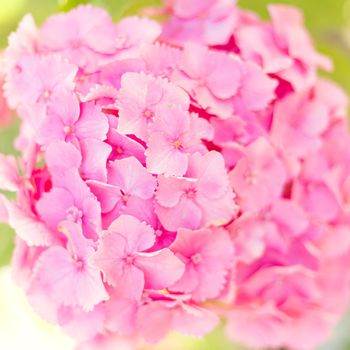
x=161 y=269
x=210 y=169
x=170 y=190
x=139 y=236
x=163 y=158
x=61 y=156
x=28 y=227
x=92 y=124
x=195 y=321
x=121 y=315
x=9 y=177
x=108 y=257
x=52 y=206
x=95 y=154
x=154 y=321
x=132 y=178
x=66 y=282
x=107 y=195
x=185 y=214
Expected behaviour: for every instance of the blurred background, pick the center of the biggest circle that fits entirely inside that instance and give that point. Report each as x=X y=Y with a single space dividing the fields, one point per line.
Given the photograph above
x=329 y=24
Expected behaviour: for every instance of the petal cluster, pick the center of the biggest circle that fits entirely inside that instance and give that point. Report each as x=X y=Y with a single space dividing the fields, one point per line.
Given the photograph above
x=172 y=174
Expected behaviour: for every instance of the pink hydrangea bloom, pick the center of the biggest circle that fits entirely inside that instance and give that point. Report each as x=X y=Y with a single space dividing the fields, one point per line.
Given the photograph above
x=129 y=185
x=122 y=258
x=259 y=176
x=156 y=319
x=87 y=33
x=221 y=81
x=38 y=79
x=284 y=47
x=68 y=122
x=208 y=255
x=71 y=200
x=171 y=174
x=202 y=198
x=207 y=22
x=175 y=135
x=139 y=98
x=75 y=281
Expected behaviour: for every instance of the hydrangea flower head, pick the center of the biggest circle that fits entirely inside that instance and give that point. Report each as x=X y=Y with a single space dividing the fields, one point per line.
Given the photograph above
x=172 y=174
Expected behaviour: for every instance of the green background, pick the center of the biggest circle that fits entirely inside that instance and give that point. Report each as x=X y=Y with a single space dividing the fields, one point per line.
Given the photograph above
x=328 y=21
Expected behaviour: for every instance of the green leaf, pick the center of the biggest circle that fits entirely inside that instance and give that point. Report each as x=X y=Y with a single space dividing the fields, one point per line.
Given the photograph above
x=66 y=5
x=7 y=137
x=6 y=244
x=121 y=8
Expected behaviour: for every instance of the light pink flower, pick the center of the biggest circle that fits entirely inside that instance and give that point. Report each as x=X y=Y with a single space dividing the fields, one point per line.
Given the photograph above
x=81 y=324
x=301 y=119
x=175 y=135
x=133 y=32
x=156 y=319
x=75 y=282
x=22 y=219
x=139 y=98
x=283 y=47
x=208 y=255
x=259 y=177
x=68 y=121
x=22 y=42
x=171 y=173
x=207 y=22
x=87 y=33
x=125 y=264
x=202 y=198
x=160 y=59
x=220 y=83
x=71 y=200
x=90 y=158
x=124 y=146
x=37 y=79
x=129 y=186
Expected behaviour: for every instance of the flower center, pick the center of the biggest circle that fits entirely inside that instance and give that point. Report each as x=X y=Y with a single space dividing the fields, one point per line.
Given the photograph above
x=196 y=258
x=177 y=144
x=250 y=177
x=74 y=214
x=79 y=264
x=191 y=193
x=119 y=150
x=68 y=129
x=148 y=115
x=124 y=196
x=45 y=96
x=129 y=260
